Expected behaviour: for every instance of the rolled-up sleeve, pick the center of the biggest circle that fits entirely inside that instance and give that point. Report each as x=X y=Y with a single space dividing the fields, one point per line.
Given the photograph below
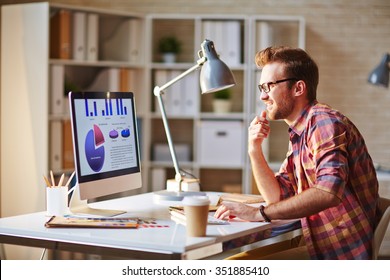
x=327 y=142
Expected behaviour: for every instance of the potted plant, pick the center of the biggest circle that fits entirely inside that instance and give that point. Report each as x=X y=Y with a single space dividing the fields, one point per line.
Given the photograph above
x=169 y=47
x=222 y=102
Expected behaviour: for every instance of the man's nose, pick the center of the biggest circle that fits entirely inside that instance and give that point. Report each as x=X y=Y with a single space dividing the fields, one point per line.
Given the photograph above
x=263 y=95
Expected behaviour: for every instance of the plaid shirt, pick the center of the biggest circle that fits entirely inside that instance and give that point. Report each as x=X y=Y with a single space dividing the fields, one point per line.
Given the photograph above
x=326 y=151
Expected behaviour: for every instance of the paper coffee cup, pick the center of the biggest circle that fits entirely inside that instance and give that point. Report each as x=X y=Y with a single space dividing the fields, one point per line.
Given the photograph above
x=196 y=210
x=56 y=201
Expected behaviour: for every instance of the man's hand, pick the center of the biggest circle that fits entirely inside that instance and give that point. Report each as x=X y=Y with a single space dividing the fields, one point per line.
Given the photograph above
x=258 y=130
x=240 y=210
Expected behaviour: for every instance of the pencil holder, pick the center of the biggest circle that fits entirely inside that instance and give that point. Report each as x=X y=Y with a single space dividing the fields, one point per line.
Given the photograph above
x=56 y=201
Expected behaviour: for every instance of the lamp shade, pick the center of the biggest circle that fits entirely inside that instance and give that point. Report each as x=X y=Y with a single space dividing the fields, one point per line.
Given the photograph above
x=380 y=75
x=215 y=75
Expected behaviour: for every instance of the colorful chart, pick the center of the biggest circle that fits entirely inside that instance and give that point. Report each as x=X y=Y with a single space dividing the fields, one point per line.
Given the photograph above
x=125 y=133
x=94 y=149
x=113 y=134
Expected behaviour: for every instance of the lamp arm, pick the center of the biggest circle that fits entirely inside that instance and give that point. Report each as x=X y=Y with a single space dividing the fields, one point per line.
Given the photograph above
x=158 y=91
x=169 y=138
x=198 y=64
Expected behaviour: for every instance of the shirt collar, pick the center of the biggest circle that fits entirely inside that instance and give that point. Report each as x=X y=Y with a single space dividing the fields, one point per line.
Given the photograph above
x=299 y=125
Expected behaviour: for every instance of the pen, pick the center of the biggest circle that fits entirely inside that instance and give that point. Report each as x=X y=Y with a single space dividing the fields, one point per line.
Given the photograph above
x=70 y=179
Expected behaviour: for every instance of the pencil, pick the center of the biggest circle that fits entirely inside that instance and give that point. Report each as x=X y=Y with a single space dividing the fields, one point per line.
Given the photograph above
x=53 y=183
x=70 y=179
x=46 y=181
x=61 y=180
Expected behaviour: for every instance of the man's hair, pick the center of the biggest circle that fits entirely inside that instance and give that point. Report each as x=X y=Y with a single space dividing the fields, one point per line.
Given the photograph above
x=298 y=64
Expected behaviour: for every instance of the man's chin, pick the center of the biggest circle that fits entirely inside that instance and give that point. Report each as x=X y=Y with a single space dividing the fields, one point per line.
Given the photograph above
x=271 y=115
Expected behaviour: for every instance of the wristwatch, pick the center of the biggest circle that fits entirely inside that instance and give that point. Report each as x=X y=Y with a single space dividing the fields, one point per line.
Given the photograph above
x=266 y=218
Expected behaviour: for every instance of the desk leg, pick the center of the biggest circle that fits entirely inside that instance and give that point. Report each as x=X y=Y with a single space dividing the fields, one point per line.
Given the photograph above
x=43 y=254
x=2 y=252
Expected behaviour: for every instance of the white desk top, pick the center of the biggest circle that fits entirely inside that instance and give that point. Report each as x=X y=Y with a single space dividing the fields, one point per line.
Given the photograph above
x=171 y=240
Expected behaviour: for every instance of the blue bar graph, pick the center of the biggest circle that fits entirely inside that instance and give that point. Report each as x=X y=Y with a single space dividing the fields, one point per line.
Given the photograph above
x=95 y=108
x=121 y=104
x=105 y=106
x=117 y=107
x=86 y=108
x=106 y=103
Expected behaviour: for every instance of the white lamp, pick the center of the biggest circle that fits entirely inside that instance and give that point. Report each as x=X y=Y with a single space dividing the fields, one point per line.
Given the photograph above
x=215 y=75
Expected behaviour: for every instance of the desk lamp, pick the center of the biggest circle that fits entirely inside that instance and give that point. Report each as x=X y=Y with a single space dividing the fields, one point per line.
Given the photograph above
x=380 y=75
x=215 y=75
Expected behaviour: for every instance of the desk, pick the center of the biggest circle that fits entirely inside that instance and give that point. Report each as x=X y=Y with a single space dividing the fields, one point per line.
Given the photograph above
x=166 y=242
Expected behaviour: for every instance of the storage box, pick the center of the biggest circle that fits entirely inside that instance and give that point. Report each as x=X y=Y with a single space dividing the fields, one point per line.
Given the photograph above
x=161 y=152
x=221 y=143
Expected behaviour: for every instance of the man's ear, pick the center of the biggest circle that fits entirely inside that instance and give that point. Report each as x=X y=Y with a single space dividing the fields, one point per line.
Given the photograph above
x=299 y=88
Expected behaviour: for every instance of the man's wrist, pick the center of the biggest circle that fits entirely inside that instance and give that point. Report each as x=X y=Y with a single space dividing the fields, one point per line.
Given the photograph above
x=262 y=212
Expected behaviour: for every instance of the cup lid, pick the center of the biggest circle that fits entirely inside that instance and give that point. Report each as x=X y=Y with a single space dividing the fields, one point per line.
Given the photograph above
x=196 y=200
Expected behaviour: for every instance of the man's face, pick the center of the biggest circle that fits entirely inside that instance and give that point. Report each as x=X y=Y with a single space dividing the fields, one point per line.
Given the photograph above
x=279 y=100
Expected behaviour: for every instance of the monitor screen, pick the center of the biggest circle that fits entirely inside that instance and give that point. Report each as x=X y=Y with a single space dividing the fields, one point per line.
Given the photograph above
x=105 y=141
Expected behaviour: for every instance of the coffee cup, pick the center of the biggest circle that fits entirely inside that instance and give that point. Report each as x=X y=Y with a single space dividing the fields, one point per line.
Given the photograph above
x=196 y=210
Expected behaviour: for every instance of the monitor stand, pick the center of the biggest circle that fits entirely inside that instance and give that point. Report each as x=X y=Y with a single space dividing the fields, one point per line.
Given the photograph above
x=80 y=207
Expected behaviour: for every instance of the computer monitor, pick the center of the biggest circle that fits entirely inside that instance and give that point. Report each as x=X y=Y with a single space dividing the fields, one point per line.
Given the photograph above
x=106 y=148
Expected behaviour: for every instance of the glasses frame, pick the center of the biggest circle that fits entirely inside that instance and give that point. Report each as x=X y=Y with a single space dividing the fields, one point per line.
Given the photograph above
x=265 y=87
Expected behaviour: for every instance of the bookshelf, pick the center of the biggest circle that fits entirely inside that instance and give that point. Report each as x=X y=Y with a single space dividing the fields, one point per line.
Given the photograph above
x=54 y=48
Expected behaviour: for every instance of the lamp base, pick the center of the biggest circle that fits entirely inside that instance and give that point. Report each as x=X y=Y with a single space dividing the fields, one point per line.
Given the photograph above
x=187 y=185
x=172 y=196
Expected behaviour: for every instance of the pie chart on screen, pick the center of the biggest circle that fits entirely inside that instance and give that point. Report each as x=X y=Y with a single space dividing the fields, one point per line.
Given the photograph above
x=94 y=148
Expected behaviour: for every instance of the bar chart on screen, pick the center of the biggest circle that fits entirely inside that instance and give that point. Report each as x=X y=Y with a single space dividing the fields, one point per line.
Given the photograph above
x=105 y=107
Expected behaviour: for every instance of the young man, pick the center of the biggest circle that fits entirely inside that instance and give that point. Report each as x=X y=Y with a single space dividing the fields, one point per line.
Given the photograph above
x=327 y=179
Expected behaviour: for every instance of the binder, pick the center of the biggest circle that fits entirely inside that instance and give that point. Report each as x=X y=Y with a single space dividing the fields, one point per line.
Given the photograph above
x=264 y=35
x=67 y=146
x=175 y=92
x=79 y=36
x=226 y=36
x=191 y=95
x=92 y=37
x=57 y=105
x=208 y=30
x=56 y=145
x=60 y=34
x=218 y=39
x=135 y=35
x=232 y=43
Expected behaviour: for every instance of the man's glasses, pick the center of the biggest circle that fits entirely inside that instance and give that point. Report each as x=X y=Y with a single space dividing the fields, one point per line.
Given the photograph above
x=265 y=87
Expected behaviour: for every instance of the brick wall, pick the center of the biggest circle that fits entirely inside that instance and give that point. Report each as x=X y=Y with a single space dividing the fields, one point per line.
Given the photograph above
x=347 y=38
